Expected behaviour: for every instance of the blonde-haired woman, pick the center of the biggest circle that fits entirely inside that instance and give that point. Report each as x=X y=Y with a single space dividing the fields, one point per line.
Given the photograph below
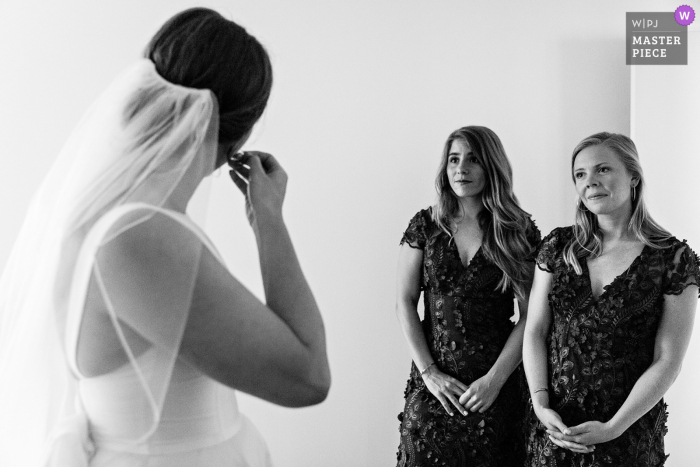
x=611 y=313
x=470 y=255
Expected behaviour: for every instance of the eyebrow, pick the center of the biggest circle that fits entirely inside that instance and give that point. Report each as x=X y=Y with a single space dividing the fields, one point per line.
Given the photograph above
x=595 y=166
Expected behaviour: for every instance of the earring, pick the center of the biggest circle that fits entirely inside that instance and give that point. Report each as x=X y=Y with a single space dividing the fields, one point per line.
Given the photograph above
x=634 y=192
x=230 y=154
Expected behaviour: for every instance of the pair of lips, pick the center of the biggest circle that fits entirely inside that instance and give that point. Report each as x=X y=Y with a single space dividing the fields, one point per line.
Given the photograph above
x=596 y=196
x=463 y=181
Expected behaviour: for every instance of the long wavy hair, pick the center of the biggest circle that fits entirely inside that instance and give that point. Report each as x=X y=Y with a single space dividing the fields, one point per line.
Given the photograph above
x=503 y=223
x=588 y=239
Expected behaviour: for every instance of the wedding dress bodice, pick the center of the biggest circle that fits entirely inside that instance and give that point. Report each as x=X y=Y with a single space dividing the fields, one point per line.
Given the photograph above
x=198 y=423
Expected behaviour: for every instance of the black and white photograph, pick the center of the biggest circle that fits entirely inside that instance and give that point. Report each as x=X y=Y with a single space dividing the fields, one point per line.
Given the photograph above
x=349 y=233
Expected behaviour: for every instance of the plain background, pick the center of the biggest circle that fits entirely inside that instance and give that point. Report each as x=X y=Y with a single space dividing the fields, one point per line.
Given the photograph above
x=365 y=94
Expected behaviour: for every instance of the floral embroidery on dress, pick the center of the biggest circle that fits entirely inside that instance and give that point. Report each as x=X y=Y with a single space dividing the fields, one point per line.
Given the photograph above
x=467 y=322
x=598 y=349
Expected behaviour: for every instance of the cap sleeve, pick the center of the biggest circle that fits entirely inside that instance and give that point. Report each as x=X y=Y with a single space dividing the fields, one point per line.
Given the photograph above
x=416 y=232
x=682 y=269
x=533 y=237
x=548 y=250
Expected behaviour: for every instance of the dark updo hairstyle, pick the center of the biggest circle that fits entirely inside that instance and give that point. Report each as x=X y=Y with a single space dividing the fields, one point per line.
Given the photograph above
x=201 y=49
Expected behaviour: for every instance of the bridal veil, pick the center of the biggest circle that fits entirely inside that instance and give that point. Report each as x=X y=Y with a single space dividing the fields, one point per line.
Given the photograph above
x=140 y=141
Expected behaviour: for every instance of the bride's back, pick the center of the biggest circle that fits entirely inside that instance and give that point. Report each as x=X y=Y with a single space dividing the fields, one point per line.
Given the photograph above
x=127 y=313
x=156 y=331
x=132 y=267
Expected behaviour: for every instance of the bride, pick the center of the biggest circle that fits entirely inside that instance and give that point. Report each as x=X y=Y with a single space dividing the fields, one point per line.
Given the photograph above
x=123 y=335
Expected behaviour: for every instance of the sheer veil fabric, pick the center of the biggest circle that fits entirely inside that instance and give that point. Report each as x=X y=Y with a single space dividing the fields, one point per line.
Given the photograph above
x=140 y=143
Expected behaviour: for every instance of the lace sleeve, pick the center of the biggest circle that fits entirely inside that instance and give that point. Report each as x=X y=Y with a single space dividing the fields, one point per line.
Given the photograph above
x=682 y=269
x=415 y=235
x=548 y=250
x=534 y=236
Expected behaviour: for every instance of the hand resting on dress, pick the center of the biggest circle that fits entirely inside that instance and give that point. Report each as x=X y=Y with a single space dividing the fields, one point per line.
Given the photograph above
x=481 y=394
x=445 y=388
x=558 y=431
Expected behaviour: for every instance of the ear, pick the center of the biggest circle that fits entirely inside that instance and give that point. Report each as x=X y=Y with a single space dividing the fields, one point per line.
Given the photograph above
x=635 y=181
x=222 y=150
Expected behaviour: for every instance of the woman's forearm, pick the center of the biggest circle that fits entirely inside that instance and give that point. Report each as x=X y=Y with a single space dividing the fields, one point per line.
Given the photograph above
x=511 y=355
x=407 y=315
x=646 y=392
x=535 y=364
x=534 y=340
x=287 y=292
x=671 y=344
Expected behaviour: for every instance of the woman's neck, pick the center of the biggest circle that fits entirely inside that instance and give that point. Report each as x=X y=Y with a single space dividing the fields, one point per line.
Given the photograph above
x=469 y=208
x=183 y=192
x=615 y=228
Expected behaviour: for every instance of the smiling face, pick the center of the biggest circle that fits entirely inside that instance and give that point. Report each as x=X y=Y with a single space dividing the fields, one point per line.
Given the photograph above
x=464 y=170
x=602 y=181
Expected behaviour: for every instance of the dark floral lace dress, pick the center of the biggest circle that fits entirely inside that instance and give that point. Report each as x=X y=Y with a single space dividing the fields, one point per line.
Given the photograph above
x=467 y=322
x=598 y=349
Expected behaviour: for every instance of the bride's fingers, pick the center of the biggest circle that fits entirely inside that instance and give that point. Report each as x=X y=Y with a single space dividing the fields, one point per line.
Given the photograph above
x=242 y=169
x=239 y=181
x=267 y=161
x=255 y=166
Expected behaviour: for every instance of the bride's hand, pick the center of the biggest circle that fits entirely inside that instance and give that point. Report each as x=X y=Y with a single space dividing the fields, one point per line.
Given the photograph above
x=263 y=181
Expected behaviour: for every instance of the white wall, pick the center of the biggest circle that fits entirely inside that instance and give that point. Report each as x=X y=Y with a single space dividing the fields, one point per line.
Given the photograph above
x=365 y=94
x=666 y=129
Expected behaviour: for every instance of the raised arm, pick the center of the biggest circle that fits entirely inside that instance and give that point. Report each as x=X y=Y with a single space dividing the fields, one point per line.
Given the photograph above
x=444 y=387
x=277 y=350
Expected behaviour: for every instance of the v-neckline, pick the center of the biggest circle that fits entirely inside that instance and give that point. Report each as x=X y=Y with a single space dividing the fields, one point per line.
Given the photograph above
x=607 y=287
x=459 y=257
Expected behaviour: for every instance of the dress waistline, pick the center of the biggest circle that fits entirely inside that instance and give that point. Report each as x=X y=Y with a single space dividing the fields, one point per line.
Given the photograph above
x=149 y=447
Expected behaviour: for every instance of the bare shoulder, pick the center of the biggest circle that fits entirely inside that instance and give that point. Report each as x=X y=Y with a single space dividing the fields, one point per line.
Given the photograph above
x=148 y=237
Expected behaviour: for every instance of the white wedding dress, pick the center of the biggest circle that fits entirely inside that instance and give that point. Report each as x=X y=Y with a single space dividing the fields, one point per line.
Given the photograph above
x=199 y=424
x=67 y=280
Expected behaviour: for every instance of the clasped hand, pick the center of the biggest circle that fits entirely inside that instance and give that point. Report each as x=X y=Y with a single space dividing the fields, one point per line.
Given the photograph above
x=580 y=438
x=453 y=394
x=263 y=182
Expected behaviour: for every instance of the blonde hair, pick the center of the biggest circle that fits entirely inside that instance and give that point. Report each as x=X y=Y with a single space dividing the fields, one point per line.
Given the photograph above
x=503 y=222
x=587 y=239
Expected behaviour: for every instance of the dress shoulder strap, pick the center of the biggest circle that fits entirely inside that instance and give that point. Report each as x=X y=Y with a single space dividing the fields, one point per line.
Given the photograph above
x=97 y=236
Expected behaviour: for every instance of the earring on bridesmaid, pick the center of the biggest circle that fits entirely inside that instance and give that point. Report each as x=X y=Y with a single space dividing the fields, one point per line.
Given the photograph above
x=634 y=192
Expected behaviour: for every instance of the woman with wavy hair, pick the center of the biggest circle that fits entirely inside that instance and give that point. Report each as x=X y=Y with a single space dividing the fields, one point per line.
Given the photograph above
x=611 y=314
x=470 y=255
x=124 y=335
